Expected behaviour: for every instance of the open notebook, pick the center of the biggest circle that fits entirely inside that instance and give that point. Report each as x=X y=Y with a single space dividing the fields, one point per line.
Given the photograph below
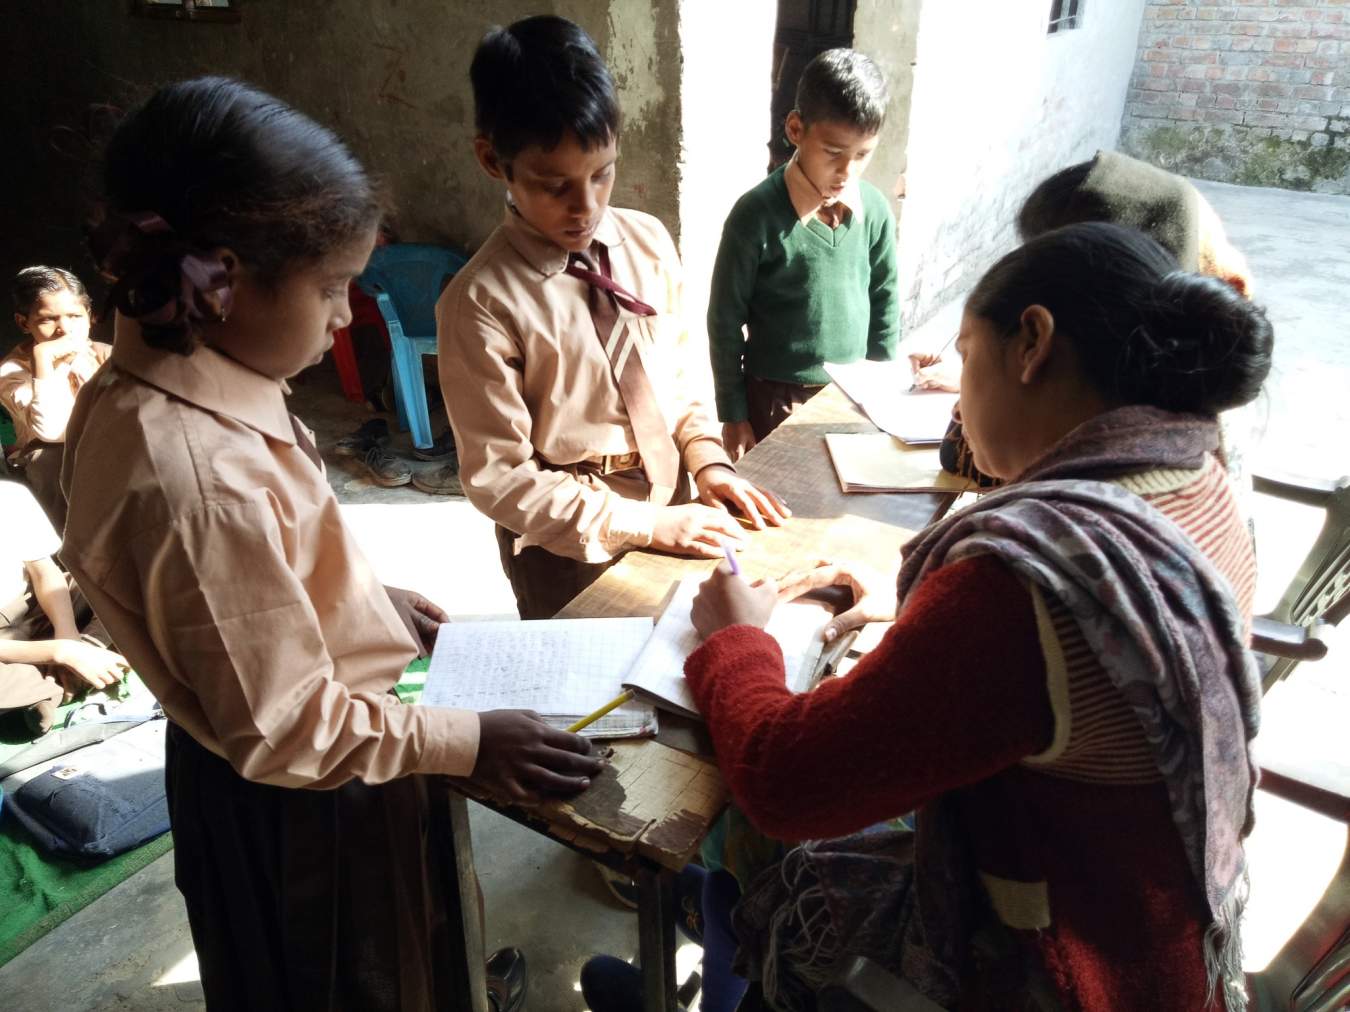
x=878 y=462
x=563 y=669
x=567 y=668
x=658 y=673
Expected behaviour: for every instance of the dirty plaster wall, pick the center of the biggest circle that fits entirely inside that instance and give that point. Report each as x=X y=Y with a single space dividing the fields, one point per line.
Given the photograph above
x=1256 y=94
x=998 y=105
x=391 y=76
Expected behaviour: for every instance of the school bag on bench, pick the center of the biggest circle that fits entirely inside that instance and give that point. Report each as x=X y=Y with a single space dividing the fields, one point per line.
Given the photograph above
x=99 y=800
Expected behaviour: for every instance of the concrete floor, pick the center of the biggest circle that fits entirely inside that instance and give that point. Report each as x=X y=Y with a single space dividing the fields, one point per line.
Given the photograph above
x=131 y=950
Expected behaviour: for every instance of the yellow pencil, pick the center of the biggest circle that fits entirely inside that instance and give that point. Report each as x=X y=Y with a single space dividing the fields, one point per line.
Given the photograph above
x=613 y=704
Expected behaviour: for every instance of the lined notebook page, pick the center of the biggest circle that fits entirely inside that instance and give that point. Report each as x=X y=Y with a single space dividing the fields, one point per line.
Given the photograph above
x=659 y=671
x=562 y=668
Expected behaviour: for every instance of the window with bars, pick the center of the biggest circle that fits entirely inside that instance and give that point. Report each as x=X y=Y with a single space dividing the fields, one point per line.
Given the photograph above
x=1065 y=15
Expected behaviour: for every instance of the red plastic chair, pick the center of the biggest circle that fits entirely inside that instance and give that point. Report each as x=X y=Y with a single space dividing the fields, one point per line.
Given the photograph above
x=364 y=313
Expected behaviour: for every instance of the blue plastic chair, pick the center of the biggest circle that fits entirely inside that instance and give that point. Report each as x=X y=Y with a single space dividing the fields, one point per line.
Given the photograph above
x=405 y=280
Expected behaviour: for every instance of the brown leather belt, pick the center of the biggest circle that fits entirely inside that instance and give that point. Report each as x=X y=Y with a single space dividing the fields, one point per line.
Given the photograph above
x=609 y=463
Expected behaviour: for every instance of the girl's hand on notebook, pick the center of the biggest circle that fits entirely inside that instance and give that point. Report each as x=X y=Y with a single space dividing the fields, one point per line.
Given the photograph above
x=873 y=593
x=726 y=599
x=521 y=758
x=737 y=439
x=423 y=618
x=722 y=487
x=695 y=530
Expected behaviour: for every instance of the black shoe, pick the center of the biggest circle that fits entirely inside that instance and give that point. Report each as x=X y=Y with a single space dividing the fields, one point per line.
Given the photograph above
x=385 y=469
x=608 y=984
x=444 y=444
x=507 y=980
x=358 y=443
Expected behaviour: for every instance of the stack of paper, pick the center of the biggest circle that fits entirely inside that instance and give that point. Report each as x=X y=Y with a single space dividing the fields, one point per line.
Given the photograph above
x=877 y=462
x=882 y=391
x=563 y=669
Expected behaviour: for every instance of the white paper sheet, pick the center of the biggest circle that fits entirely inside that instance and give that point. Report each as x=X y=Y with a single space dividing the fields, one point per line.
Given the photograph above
x=882 y=391
x=563 y=668
x=659 y=671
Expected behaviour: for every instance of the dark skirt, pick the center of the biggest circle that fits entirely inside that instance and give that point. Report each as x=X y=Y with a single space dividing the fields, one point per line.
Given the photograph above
x=305 y=899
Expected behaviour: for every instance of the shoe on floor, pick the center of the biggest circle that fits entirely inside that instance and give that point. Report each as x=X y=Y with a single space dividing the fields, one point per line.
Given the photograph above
x=443 y=446
x=385 y=469
x=439 y=480
x=620 y=886
x=608 y=984
x=507 y=980
x=358 y=443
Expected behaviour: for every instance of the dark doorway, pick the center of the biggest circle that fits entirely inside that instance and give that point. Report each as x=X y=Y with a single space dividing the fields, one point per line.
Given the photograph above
x=805 y=28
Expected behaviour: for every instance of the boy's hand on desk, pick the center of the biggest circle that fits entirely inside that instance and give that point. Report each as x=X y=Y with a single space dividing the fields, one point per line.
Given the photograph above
x=695 y=530
x=423 y=618
x=722 y=487
x=725 y=599
x=737 y=439
x=873 y=594
x=522 y=758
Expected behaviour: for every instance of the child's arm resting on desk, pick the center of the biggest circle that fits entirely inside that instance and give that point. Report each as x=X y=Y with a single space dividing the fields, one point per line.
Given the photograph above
x=883 y=333
x=941 y=703
x=228 y=618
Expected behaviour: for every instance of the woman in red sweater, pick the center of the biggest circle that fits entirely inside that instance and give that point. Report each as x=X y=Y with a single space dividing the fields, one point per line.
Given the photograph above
x=1065 y=694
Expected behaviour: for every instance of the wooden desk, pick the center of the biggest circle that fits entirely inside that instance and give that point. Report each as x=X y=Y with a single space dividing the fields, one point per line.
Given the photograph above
x=648 y=813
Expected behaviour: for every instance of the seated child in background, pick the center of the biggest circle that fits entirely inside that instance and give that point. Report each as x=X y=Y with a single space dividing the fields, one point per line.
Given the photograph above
x=561 y=341
x=44 y=620
x=806 y=272
x=40 y=377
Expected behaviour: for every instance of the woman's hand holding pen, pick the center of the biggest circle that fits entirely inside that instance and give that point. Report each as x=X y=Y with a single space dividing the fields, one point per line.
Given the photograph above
x=725 y=599
x=873 y=594
x=933 y=372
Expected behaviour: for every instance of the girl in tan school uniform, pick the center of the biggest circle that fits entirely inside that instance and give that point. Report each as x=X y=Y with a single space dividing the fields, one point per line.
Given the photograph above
x=41 y=376
x=209 y=541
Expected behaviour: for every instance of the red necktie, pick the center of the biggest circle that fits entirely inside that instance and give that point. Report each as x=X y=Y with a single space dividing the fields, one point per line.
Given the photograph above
x=660 y=457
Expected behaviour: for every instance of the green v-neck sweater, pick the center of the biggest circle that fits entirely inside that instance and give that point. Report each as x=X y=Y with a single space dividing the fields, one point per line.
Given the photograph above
x=804 y=294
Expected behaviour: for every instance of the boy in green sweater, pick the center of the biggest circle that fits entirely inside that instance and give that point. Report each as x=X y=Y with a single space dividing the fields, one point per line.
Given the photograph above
x=806 y=271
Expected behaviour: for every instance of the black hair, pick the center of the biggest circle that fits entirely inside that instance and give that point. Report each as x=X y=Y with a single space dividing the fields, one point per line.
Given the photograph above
x=539 y=79
x=1145 y=332
x=31 y=283
x=1061 y=200
x=223 y=164
x=843 y=86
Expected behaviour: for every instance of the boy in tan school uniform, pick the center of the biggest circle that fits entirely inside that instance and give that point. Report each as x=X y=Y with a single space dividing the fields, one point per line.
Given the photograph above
x=561 y=341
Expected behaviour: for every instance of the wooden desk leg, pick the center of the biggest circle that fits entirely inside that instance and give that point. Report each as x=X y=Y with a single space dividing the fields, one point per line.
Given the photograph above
x=450 y=816
x=656 y=939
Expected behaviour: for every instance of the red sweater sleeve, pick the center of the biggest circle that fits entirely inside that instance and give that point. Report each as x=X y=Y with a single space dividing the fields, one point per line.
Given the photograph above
x=954 y=693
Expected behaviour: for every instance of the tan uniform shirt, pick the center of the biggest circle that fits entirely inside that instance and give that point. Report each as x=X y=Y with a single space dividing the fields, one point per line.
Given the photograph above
x=527 y=382
x=807 y=201
x=41 y=407
x=213 y=550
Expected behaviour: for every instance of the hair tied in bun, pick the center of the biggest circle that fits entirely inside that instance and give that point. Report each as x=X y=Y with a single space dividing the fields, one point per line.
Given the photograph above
x=160 y=281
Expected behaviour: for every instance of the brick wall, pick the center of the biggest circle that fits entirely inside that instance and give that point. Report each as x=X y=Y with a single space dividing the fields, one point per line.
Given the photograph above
x=1245 y=91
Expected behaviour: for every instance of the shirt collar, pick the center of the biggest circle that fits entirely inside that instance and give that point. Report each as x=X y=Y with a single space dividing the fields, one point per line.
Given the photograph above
x=540 y=252
x=806 y=199
x=207 y=379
